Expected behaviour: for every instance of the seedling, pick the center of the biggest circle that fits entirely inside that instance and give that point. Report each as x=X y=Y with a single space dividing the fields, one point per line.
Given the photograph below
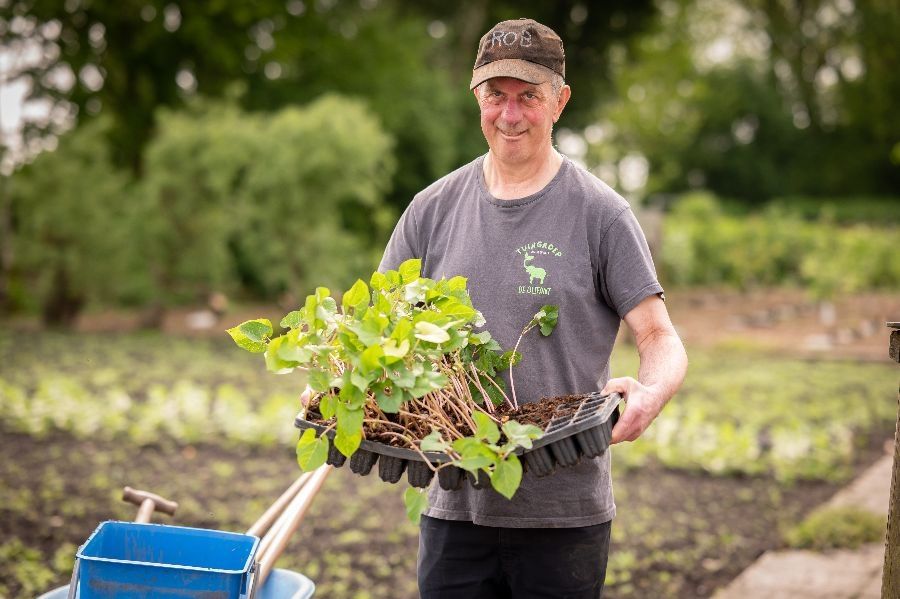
x=400 y=362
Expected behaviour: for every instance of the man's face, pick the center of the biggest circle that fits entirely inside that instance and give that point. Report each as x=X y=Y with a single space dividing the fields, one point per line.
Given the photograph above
x=517 y=117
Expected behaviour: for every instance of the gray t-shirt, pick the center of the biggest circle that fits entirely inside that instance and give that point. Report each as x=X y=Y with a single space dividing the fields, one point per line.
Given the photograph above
x=575 y=244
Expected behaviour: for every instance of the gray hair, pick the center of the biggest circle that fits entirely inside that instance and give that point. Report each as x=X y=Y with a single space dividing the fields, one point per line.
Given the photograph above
x=556 y=84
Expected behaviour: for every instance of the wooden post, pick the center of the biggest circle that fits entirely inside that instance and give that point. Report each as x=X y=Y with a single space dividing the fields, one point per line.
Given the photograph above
x=890 y=579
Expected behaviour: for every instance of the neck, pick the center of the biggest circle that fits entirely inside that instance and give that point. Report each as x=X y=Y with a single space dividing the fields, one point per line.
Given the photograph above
x=513 y=181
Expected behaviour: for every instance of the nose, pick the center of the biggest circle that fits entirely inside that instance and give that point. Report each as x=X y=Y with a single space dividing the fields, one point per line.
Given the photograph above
x=512 y=112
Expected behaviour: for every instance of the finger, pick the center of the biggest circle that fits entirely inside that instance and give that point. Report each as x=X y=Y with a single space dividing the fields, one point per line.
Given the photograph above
x=624 y=428
x=617 y=385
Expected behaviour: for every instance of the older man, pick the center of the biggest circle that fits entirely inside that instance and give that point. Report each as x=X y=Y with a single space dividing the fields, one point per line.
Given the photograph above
x=529 y=227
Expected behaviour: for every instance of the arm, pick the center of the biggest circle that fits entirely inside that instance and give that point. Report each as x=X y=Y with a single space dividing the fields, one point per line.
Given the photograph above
x=663 y=366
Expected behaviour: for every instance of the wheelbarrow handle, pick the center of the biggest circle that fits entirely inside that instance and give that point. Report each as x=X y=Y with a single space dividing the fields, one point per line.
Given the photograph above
x=73 y=584
x=275 y=541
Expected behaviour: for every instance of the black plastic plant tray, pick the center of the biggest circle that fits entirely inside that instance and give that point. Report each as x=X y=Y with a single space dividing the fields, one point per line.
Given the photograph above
x=582 y=429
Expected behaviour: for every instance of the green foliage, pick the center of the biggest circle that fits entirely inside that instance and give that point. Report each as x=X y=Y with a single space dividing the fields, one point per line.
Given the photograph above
x=747 y=413
x=416 y=503
x=704 y=246
x=28 y=570
x=235 y=195
x=75 y=231
x=852 y=209
x=753 y=124
x=185 y=391
x=312 y=451
x=402 y=341
x=837 y=528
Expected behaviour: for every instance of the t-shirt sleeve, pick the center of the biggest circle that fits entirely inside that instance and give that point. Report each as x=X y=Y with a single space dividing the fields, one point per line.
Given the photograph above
x=403 y=243
x=626 y=274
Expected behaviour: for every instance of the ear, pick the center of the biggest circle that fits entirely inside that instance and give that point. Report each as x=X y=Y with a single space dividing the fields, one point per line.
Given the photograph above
x=564 y=94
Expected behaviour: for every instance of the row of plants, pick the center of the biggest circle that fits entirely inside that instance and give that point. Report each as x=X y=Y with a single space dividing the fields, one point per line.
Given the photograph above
x=703 y=245
x=748 y=413
x=738 y=413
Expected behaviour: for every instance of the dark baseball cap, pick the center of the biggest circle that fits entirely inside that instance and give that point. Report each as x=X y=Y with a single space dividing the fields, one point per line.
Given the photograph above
x=521 y=48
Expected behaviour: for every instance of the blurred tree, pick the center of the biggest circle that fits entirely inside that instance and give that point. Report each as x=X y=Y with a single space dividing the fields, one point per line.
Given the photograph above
x=410 y=61
x=73 y=237
x=258 y=201
x=756 y=100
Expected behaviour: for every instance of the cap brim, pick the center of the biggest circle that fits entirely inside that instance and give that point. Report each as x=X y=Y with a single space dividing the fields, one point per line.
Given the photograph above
x=530 y=72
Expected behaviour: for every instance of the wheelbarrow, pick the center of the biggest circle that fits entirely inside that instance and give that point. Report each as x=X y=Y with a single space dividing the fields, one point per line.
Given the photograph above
x=139 y=559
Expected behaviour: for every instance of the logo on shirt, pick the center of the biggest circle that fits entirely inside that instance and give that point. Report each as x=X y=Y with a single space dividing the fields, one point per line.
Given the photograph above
x=535 y=259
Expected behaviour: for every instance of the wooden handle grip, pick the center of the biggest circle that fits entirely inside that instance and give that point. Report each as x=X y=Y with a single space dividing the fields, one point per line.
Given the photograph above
x=138 y=497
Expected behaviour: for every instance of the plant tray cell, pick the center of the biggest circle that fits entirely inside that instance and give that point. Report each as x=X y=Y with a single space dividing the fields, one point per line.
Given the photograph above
x=581 y=429
x=362 y=461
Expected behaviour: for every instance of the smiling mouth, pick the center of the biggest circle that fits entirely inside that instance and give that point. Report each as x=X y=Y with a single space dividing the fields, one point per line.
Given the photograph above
x=512 y=135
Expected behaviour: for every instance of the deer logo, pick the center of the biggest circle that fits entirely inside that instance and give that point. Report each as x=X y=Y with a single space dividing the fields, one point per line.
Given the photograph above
x=534 y=272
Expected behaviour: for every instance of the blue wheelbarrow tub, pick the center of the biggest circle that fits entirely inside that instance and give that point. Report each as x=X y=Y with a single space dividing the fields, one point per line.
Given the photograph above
x=281 y=584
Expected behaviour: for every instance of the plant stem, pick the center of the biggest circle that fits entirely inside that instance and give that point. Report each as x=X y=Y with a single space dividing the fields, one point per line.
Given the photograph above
x=512 y=382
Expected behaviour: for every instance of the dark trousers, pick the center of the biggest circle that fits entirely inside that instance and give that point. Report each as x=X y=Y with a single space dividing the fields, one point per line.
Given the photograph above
x=461 y=560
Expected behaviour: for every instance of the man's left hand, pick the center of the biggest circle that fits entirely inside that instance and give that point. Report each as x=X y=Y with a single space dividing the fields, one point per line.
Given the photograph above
x=641 y=407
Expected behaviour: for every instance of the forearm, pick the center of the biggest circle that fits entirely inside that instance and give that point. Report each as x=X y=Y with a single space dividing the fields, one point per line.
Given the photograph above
x=663 y=364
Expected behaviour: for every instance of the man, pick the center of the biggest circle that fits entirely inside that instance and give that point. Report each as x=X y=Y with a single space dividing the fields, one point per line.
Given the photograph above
x=528 y=227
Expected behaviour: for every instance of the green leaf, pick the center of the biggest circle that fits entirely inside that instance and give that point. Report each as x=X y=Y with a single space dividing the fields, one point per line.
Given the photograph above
x=410 y=270
x=357 y=297
x=434 y=442
x=254 y=343
x=257 y=330
x=521 y=435
x=414 y=292
x=322 y=293
x=274 y=362
x=390 y=403
x=547 y=317
x=404 y=378
x=509 y=358
x=360 y=380
x=347 y=443
x=294 y=348
x=416 y=501
x=475 y=463
x=487 y=428
x=507 y=476
x=327 y=406
x=394 y=351
x=369 y=359
x=312 y=451
x=379 y=281
x=432 y=333
x=326 y=310
x=349 y=429
x=402 y=330
x=319 y=380
x=474 y=454
x=370 y=329
x=394 y=279
x=428 y=381
x=291 y=320
x=381 y=303
x=494 y=394
x=479 y=338
x=453 y=307
x=457 y=283
x=351 y=394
